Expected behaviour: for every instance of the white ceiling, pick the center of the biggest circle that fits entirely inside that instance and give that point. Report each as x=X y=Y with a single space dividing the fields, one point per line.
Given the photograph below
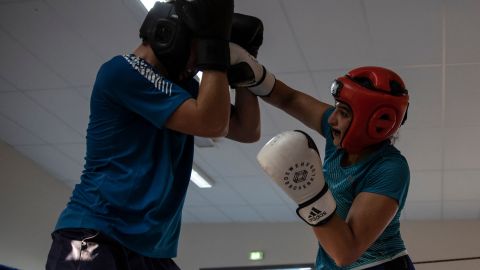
x=51 y=50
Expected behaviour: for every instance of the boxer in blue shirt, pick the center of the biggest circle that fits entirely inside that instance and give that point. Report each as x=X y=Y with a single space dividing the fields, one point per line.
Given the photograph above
x=145 y=109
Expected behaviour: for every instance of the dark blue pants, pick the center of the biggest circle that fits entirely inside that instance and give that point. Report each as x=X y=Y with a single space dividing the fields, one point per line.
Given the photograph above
x=84 y=249
x=400 y=263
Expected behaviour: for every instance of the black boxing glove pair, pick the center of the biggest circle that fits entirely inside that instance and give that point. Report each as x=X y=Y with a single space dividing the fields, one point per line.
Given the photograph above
x=214 y=25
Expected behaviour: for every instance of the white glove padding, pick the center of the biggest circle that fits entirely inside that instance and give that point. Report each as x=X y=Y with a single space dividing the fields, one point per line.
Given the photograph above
x=292 y=160
x=245 y=71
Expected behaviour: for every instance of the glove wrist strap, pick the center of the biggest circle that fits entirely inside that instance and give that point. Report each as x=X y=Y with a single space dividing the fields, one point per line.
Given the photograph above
x=319 y=209
x=265 y=85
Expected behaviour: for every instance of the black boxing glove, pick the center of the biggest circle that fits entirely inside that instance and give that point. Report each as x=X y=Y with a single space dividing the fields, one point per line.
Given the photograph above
x=247 y=31
x=210 y=22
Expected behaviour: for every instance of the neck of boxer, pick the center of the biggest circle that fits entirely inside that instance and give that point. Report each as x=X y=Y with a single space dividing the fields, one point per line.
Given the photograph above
x=352 y=158
x=145 y=52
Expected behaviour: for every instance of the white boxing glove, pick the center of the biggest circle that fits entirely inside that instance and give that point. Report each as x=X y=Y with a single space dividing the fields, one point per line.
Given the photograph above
x=292 y=160
x=245 y=71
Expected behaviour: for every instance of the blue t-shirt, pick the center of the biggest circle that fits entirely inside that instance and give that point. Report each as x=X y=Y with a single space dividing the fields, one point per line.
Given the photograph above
x=384 y=172
x=137 y=171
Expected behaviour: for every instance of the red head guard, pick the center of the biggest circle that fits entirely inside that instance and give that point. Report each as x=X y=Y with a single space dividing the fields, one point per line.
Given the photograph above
x=379 y=102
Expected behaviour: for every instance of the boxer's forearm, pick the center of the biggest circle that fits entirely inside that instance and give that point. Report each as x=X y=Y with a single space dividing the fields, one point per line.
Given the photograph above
x=245 y=118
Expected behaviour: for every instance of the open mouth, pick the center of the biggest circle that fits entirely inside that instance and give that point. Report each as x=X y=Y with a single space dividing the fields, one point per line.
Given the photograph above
x=336 y=133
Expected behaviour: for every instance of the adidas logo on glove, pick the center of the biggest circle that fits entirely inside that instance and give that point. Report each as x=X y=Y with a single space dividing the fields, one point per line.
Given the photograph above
x=315 y=214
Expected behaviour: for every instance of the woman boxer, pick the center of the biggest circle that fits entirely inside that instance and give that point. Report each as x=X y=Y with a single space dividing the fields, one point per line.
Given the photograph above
x=354 y=206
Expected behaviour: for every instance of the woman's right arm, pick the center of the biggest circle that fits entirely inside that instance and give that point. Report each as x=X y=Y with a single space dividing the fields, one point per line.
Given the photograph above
x=303 y=107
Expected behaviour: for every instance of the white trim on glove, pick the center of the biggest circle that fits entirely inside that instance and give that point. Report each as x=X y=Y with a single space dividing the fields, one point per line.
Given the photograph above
x=259 y=80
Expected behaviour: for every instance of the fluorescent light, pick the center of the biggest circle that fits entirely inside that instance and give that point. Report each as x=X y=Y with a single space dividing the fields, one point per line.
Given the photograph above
x=256 y=255
x=148 y=4
x=200 y=179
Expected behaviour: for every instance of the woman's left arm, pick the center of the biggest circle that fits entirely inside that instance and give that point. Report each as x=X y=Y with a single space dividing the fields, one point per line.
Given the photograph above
x=346 y=240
